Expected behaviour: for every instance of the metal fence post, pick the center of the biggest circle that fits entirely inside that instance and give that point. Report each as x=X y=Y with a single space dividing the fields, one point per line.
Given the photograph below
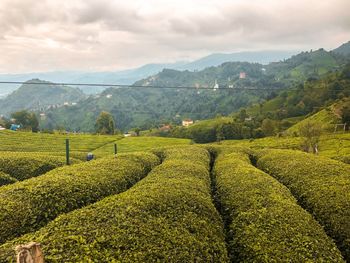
x=67 y=151
x=115 y=149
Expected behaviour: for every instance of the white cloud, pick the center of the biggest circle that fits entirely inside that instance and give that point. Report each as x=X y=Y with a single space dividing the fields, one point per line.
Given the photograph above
x=106 y=35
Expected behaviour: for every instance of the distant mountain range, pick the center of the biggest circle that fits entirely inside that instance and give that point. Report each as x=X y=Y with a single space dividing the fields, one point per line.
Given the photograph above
x=130 y=76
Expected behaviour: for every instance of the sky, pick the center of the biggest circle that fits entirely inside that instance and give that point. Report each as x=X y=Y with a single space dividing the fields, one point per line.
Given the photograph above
x=107 y=35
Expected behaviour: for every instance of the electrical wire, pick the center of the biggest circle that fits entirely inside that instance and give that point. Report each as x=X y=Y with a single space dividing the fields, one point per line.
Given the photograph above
x=154 y=86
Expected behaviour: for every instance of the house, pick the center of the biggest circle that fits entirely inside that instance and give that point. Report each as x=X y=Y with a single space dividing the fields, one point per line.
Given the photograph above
x=165 y=128
x=242 y=75
x=187 y=122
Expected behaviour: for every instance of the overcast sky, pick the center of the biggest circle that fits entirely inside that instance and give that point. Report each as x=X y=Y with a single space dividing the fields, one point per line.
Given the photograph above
x=47 y=35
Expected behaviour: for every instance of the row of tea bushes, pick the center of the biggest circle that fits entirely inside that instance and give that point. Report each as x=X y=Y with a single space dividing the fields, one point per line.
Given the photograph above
x=166 y=217
x=22 y=166
x=43 y=142
x=28 y=205
x=321 y=185
x=264 y=220
x=6 y=179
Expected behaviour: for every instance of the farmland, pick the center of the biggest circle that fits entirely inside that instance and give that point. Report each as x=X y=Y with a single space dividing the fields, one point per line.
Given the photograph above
x=166 y=200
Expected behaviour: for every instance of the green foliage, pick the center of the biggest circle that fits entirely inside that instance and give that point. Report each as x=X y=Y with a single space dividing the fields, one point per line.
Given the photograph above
x=268 y=127
x=135 y=144
x=105 y=123
x=327 y=117
x=321 y=185
x=345 y=113
x=311 y=133
x=222 y=128
x=167 y=217
x=27 y=120
x=28 y=205
x=265 y=222
x=80 y=144
x=22 y=165
x=6 y=179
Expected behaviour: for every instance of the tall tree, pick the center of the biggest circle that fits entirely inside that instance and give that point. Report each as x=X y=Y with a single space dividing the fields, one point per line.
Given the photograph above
x=105 y=123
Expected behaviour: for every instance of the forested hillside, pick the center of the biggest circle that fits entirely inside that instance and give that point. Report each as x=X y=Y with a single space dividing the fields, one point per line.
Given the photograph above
x=328 y=97
x=38 y=97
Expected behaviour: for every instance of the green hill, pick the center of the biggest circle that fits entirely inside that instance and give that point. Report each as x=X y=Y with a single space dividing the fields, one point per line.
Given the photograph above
x=39 y=97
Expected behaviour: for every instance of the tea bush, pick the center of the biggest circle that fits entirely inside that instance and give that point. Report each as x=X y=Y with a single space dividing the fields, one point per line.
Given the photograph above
x=6 y=179
x=265 y=222
x=167 y=217
x=321 y=185
x=28 y=205
x=22 y=166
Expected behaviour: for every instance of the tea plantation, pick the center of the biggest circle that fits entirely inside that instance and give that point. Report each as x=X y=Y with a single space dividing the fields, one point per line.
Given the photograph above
x=164 y=200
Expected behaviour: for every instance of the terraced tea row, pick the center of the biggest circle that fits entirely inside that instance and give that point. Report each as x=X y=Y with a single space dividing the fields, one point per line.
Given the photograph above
x=22 y=166
x=264 y=221
x=321 y=185
x=41 y=142
x=6 y=179
x=28 y=205
x=166 y=217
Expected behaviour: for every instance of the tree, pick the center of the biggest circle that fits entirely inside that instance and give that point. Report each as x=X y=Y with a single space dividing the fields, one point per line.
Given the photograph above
x=268 y=127
x=345 y=115
x=27 y=120
x=105 y=123
x=311 y=132
x=243 y=115
x=137 y=131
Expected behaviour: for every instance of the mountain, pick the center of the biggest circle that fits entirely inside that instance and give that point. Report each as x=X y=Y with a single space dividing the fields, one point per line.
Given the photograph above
x=289 y=72
x=39 y=97
x=246 y=83
x=127 y=77
x=262 y=57
x=324 y=100
x=151 y=107
x=124 y=77
x=147 y=108
x=344 y=49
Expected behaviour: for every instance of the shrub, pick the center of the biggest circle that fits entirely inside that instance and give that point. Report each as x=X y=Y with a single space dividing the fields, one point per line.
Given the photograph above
x=265 y=222
x=166 y=217
x=321 y=185
x=6 y=179
x=22 y=166
x=30 y=204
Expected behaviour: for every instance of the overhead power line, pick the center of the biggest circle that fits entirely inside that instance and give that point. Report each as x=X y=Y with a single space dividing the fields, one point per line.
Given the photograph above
x=155 y=86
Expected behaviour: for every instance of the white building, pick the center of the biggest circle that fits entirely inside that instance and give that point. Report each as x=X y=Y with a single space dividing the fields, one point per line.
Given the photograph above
x=187 y=122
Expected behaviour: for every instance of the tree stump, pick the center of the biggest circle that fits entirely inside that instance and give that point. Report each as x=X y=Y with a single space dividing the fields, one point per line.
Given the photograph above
x=30 y=253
